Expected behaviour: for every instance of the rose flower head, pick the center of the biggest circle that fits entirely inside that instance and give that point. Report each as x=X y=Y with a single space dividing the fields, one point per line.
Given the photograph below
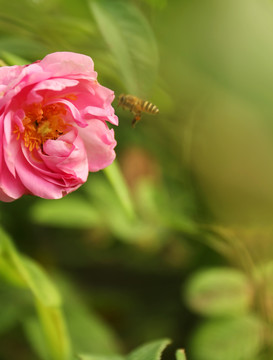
x=53 y=128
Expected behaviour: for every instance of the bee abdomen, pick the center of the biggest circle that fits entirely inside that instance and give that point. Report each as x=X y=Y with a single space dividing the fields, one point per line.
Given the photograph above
x=149 y=107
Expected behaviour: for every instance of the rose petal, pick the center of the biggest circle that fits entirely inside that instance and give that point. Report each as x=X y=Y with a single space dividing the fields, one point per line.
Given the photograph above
x=66 y=157
x=99 y=143
x=40 y=185
x=76 y=115
x=9 y=185
x=69 y=63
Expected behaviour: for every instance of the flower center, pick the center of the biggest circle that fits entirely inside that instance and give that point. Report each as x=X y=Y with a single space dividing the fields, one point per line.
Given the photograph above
x=41 y=124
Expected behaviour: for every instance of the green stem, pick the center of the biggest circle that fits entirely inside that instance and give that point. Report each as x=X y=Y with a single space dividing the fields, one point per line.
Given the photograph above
x=54 y=327
x=21 y=271
x=116 y=179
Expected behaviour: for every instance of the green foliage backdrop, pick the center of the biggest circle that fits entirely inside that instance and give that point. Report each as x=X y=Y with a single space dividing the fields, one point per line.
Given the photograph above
x=174 y=240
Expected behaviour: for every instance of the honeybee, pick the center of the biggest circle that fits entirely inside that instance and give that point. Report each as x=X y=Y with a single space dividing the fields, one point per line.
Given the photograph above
x=136 y=106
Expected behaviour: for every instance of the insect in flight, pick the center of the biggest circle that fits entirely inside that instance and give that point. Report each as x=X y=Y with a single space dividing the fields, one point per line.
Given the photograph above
x=136 y=106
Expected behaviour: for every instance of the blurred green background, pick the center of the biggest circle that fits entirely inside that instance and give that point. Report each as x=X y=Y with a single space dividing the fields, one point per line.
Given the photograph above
x=187 y=253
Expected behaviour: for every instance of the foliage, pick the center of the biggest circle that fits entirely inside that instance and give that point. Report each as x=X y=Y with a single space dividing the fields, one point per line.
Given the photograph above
x=187 y=204
x=151 y=351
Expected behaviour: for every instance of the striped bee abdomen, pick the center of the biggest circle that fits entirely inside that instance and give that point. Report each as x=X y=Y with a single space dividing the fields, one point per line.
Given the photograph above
x=149 y=108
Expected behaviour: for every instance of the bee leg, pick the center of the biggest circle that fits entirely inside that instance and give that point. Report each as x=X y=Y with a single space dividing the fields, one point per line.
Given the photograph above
x=134 y=122
x=136 y=119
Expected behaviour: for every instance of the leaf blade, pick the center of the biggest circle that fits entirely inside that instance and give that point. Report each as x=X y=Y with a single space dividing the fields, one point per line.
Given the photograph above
x=150 y=351
x=131 y=41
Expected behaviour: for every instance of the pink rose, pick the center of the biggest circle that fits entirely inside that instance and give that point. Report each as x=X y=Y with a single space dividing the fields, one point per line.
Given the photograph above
x=53 y=127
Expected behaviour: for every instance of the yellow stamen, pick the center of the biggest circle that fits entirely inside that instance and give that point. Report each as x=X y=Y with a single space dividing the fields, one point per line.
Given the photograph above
x=41 y=124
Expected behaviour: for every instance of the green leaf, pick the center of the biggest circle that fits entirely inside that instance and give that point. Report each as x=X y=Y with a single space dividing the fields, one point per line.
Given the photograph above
x=9 y=273
x=150 y=351
x=117 y=180
x=158 y=4
x=31 y=273
x=70 y=212
x=47 y=298
x=50 y=326
x=219 y=291
x=39 y=283
x=233 y=339
x=55 y=330
x=34 y=334
x=20 y=48
x=100 y=357
x=180 y=355
x=12 y=59
x=131 y=41
x=89 y=334
x=16 y=303
x=119 y=221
